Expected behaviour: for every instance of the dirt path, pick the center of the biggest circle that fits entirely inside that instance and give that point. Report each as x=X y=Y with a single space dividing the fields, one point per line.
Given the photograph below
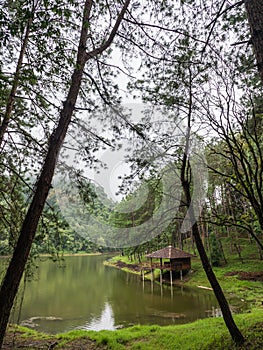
x=16 y=340
x=246 y=275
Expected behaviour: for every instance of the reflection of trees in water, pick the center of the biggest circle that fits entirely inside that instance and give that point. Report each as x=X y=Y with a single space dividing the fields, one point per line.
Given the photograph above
x=78 y=290
x=214 y=312
x=131 y=302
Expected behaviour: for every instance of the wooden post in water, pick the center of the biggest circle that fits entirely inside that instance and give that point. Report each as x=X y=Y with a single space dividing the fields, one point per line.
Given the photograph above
x=161 y=276
x=152 y=277
x=181 y=275
x=171 y=277
x=171 y=281
x=161 y=282
x=152 y=280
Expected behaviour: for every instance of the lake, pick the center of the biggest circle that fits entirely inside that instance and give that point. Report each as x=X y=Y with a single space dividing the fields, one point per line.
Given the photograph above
x=85 y=294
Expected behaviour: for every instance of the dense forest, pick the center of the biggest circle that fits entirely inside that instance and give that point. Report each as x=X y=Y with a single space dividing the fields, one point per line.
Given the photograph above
x=194 y=152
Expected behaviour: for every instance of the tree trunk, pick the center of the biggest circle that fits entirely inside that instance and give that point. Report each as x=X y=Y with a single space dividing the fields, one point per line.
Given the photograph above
x=254 y=10
x=17 y=264
x=229 y=321
x=186 y=184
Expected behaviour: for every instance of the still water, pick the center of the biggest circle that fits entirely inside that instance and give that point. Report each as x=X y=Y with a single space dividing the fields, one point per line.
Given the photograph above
x=85 y=294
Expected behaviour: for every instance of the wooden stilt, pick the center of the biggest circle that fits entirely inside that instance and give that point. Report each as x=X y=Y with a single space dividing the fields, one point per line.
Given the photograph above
x=171 y=281
x=152 y=280
x=161 y=282
x=181 y=275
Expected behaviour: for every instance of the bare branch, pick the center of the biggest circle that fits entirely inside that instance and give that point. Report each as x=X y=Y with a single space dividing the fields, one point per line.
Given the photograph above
x=112 y=35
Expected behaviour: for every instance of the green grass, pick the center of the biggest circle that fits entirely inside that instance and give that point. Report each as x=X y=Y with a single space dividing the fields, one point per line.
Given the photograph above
x=203 y=334
x=28 y=332
x=250 y=291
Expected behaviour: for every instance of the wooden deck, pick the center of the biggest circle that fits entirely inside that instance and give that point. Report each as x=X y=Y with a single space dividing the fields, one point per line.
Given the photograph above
x=165 y=266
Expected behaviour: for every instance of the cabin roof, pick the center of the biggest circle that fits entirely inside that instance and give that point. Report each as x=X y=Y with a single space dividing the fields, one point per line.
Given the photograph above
x=169 y=253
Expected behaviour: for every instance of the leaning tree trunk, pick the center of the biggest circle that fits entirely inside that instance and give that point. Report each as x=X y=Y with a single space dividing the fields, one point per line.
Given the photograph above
x=17 y=264
x=186 y=184
x=254 y=10
x=229 y=321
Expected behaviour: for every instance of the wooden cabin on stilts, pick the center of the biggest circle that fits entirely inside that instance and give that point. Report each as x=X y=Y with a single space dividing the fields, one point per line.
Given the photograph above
x=170 y=259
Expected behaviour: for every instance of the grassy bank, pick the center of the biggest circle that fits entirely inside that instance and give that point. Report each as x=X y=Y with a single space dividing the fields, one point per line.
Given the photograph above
x=207 y=334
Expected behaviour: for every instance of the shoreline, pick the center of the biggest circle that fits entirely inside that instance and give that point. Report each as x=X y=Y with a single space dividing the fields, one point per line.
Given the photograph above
x=71 y=254
x=46 y=255
x=247 y=285
x=136 y=270
x=206 y=334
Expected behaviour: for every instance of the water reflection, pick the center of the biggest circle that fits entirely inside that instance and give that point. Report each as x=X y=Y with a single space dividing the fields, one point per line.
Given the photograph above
x=105 y=321
x=86 y=294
